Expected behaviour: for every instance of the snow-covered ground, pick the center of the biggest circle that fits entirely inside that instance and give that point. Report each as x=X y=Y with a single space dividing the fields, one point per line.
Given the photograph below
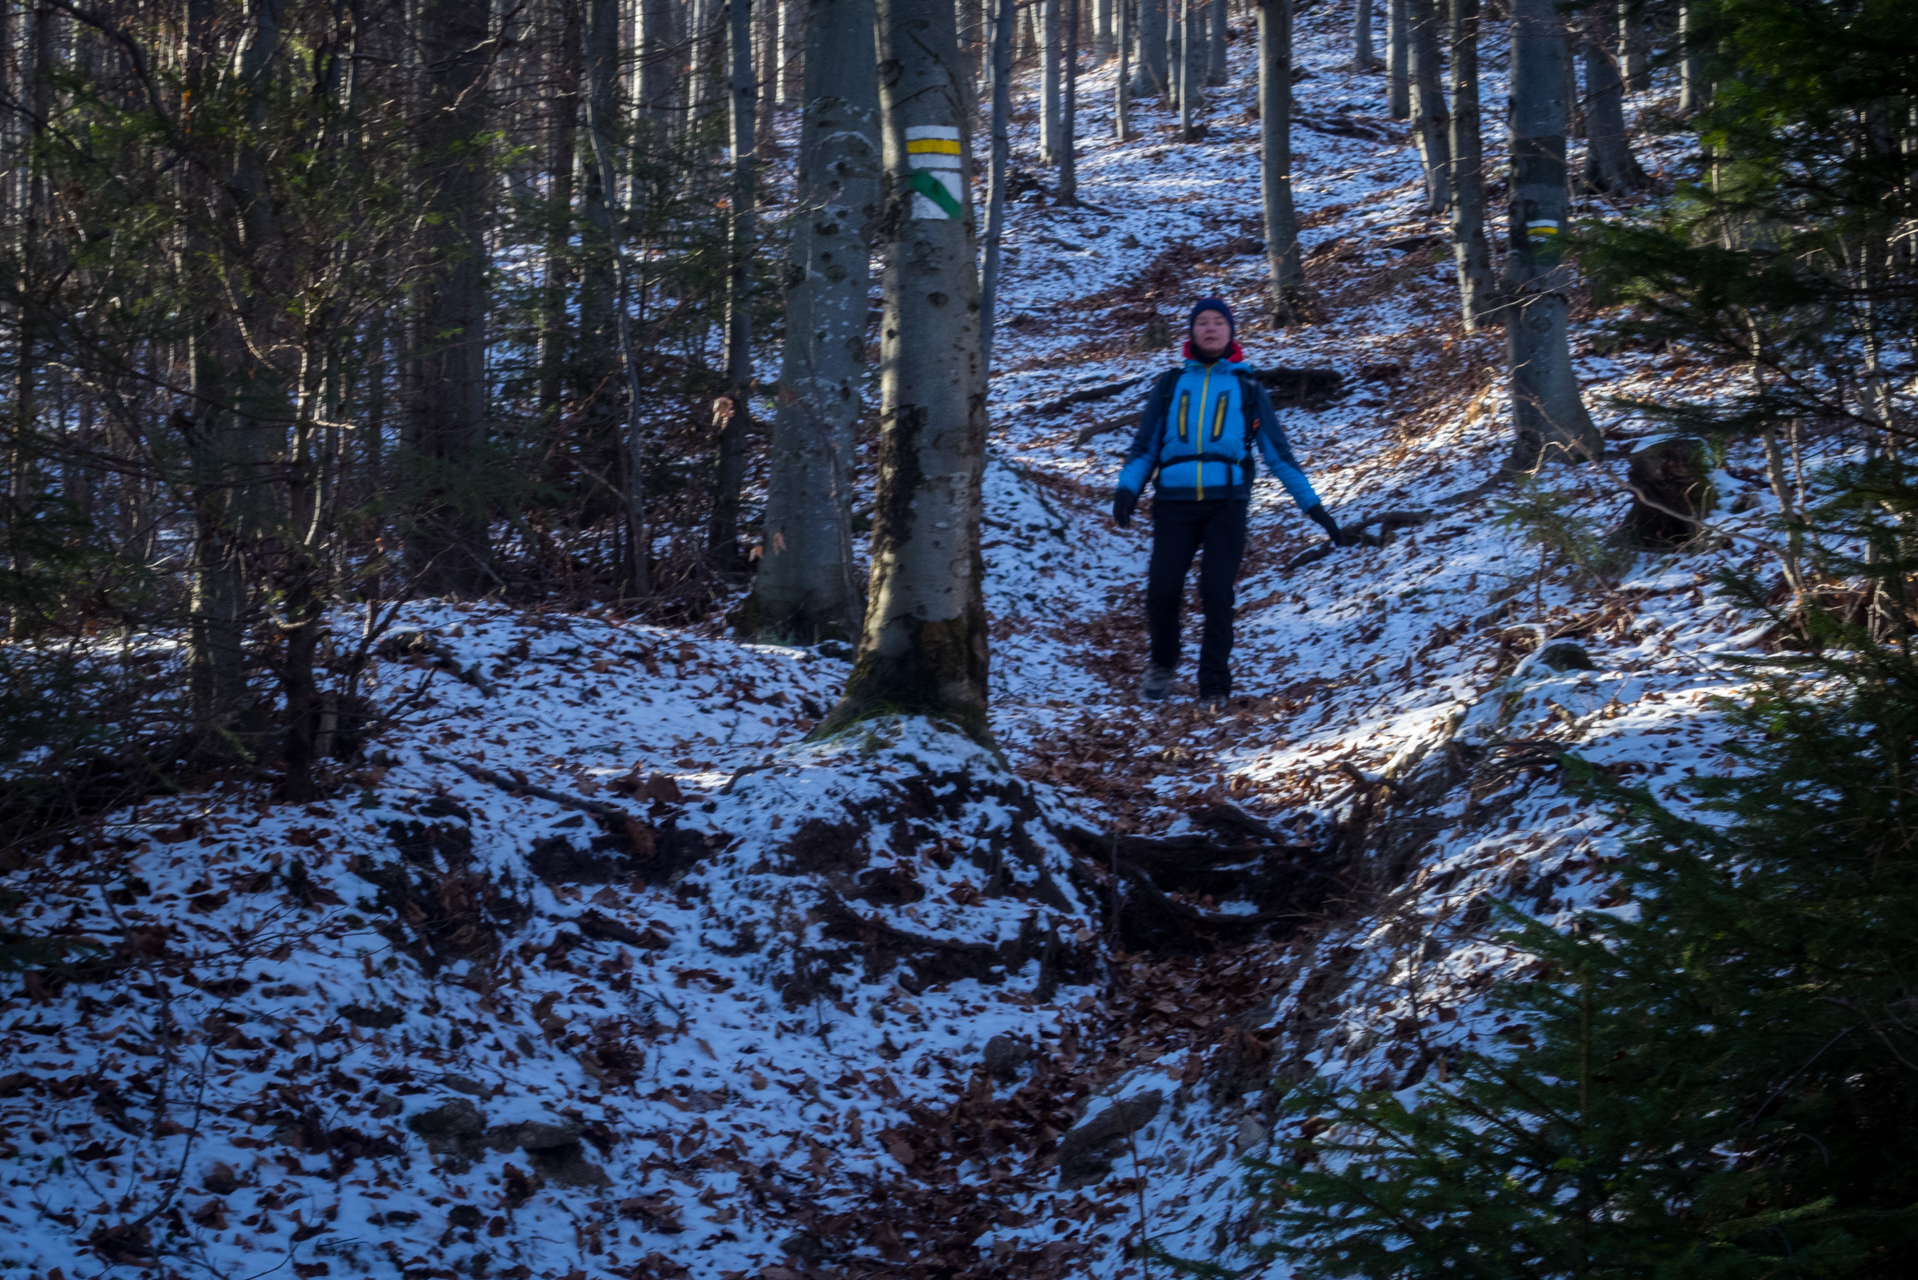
x=597 y=970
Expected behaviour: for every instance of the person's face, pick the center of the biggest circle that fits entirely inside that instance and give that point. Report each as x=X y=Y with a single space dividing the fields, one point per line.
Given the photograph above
x=1211 y=335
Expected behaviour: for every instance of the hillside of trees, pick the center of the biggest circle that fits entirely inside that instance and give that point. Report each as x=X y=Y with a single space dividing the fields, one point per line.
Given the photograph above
x=570 y=702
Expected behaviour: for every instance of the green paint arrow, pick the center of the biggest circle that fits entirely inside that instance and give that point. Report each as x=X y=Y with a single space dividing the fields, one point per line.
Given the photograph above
x=934 y=190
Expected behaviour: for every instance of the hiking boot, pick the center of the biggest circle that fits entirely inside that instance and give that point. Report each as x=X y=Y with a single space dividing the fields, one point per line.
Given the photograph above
x=1158 y=682
x=1212 y=701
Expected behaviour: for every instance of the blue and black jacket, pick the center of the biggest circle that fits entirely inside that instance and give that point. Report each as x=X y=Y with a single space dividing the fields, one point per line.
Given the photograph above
x=1197 y=432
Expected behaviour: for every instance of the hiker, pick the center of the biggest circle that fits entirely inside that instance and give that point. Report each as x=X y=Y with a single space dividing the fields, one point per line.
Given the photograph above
x=1194 y=435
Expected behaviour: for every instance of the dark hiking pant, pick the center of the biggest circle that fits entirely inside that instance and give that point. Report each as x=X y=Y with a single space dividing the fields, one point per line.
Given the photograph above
x=1213 y=529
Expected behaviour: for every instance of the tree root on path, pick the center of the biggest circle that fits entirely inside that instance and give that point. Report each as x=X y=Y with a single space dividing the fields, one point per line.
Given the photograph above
x=519 y=786
x=928 y=960
x=1389 y=522
x=1240 y=858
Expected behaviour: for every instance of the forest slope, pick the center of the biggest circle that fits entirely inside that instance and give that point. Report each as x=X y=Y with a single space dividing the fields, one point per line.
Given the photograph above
x=596 y=970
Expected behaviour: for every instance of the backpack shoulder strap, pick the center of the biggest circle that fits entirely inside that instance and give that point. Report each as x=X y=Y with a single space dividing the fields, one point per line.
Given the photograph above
x=1249 y=387
x=1155 y=405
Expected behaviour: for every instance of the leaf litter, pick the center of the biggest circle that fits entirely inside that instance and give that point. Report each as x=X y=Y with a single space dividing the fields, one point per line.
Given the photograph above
x=596 y=969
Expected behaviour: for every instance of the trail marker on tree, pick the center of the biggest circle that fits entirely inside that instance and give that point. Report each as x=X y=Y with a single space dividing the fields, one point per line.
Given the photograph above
x=923 y=648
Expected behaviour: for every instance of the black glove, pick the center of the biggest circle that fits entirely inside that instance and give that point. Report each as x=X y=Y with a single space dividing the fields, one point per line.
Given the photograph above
x=1340 y=538
x=1123 y=500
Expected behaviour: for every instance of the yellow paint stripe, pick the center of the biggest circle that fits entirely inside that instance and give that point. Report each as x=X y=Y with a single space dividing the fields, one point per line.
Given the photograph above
x=940 y=146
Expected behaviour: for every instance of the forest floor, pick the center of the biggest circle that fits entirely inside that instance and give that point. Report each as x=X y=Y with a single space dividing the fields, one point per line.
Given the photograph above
x=598 y=970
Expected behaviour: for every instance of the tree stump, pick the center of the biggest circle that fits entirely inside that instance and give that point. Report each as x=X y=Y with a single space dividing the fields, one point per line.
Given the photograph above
x=1672 y=493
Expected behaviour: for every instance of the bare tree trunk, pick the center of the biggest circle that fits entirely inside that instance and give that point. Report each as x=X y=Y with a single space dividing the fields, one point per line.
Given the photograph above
x=448 y=426
x=555 y=345
x=1431 y=118
x=1398 y=69
x=1067 y=192
x=28 y=205
x=1049 y=82
x=1693 y=92
x=1102 y=28
x=1364 y=58
x=729 y=475
x=804 y=591
x=1215 y=68
x=1186 y=71
x=1283 y=260
x=923 y=650
x=786 y=60
x=1154 y=78
x=1549 y=420
x=1000 y=167
x=1609 y=163
x=597 y=358
x=1470 y=247
x=226 y=533
x=618 y=388
x=1634 y=46
x=1122 y=82
x=660 y=47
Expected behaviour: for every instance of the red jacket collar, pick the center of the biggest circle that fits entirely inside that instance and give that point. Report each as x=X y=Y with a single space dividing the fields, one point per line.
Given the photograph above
x=1234 y=354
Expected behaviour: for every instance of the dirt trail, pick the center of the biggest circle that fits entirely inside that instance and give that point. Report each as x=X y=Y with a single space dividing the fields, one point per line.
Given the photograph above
x=758 y=1009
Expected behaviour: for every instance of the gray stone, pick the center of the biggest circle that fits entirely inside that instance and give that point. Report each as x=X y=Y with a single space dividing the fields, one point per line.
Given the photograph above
x=804 y=1246
x=547 y=1137
x=1087 y=1151
x=452 y=1120
x=1251 y=1133
x=1563 y=655
x=568 y=1167
x=1004 y=1056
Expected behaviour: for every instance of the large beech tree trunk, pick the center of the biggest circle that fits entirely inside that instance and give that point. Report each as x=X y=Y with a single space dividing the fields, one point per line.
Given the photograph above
x=1548 y=414
x=1609 y=164
x=735 y=427
x=805 y=591
x=923 y=650
x=1431 y=118
x=1275 y=140
x=1472 y=250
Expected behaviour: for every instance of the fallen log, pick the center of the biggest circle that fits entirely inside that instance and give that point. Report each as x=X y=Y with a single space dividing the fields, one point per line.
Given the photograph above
x=1100 y=428
x=1302 y=388
x=1346 y=127
x=1103 y=392
x=518 y=786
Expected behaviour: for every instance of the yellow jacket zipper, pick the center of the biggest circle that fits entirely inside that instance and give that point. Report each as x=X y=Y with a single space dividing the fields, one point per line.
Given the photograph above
x=1205 y=384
